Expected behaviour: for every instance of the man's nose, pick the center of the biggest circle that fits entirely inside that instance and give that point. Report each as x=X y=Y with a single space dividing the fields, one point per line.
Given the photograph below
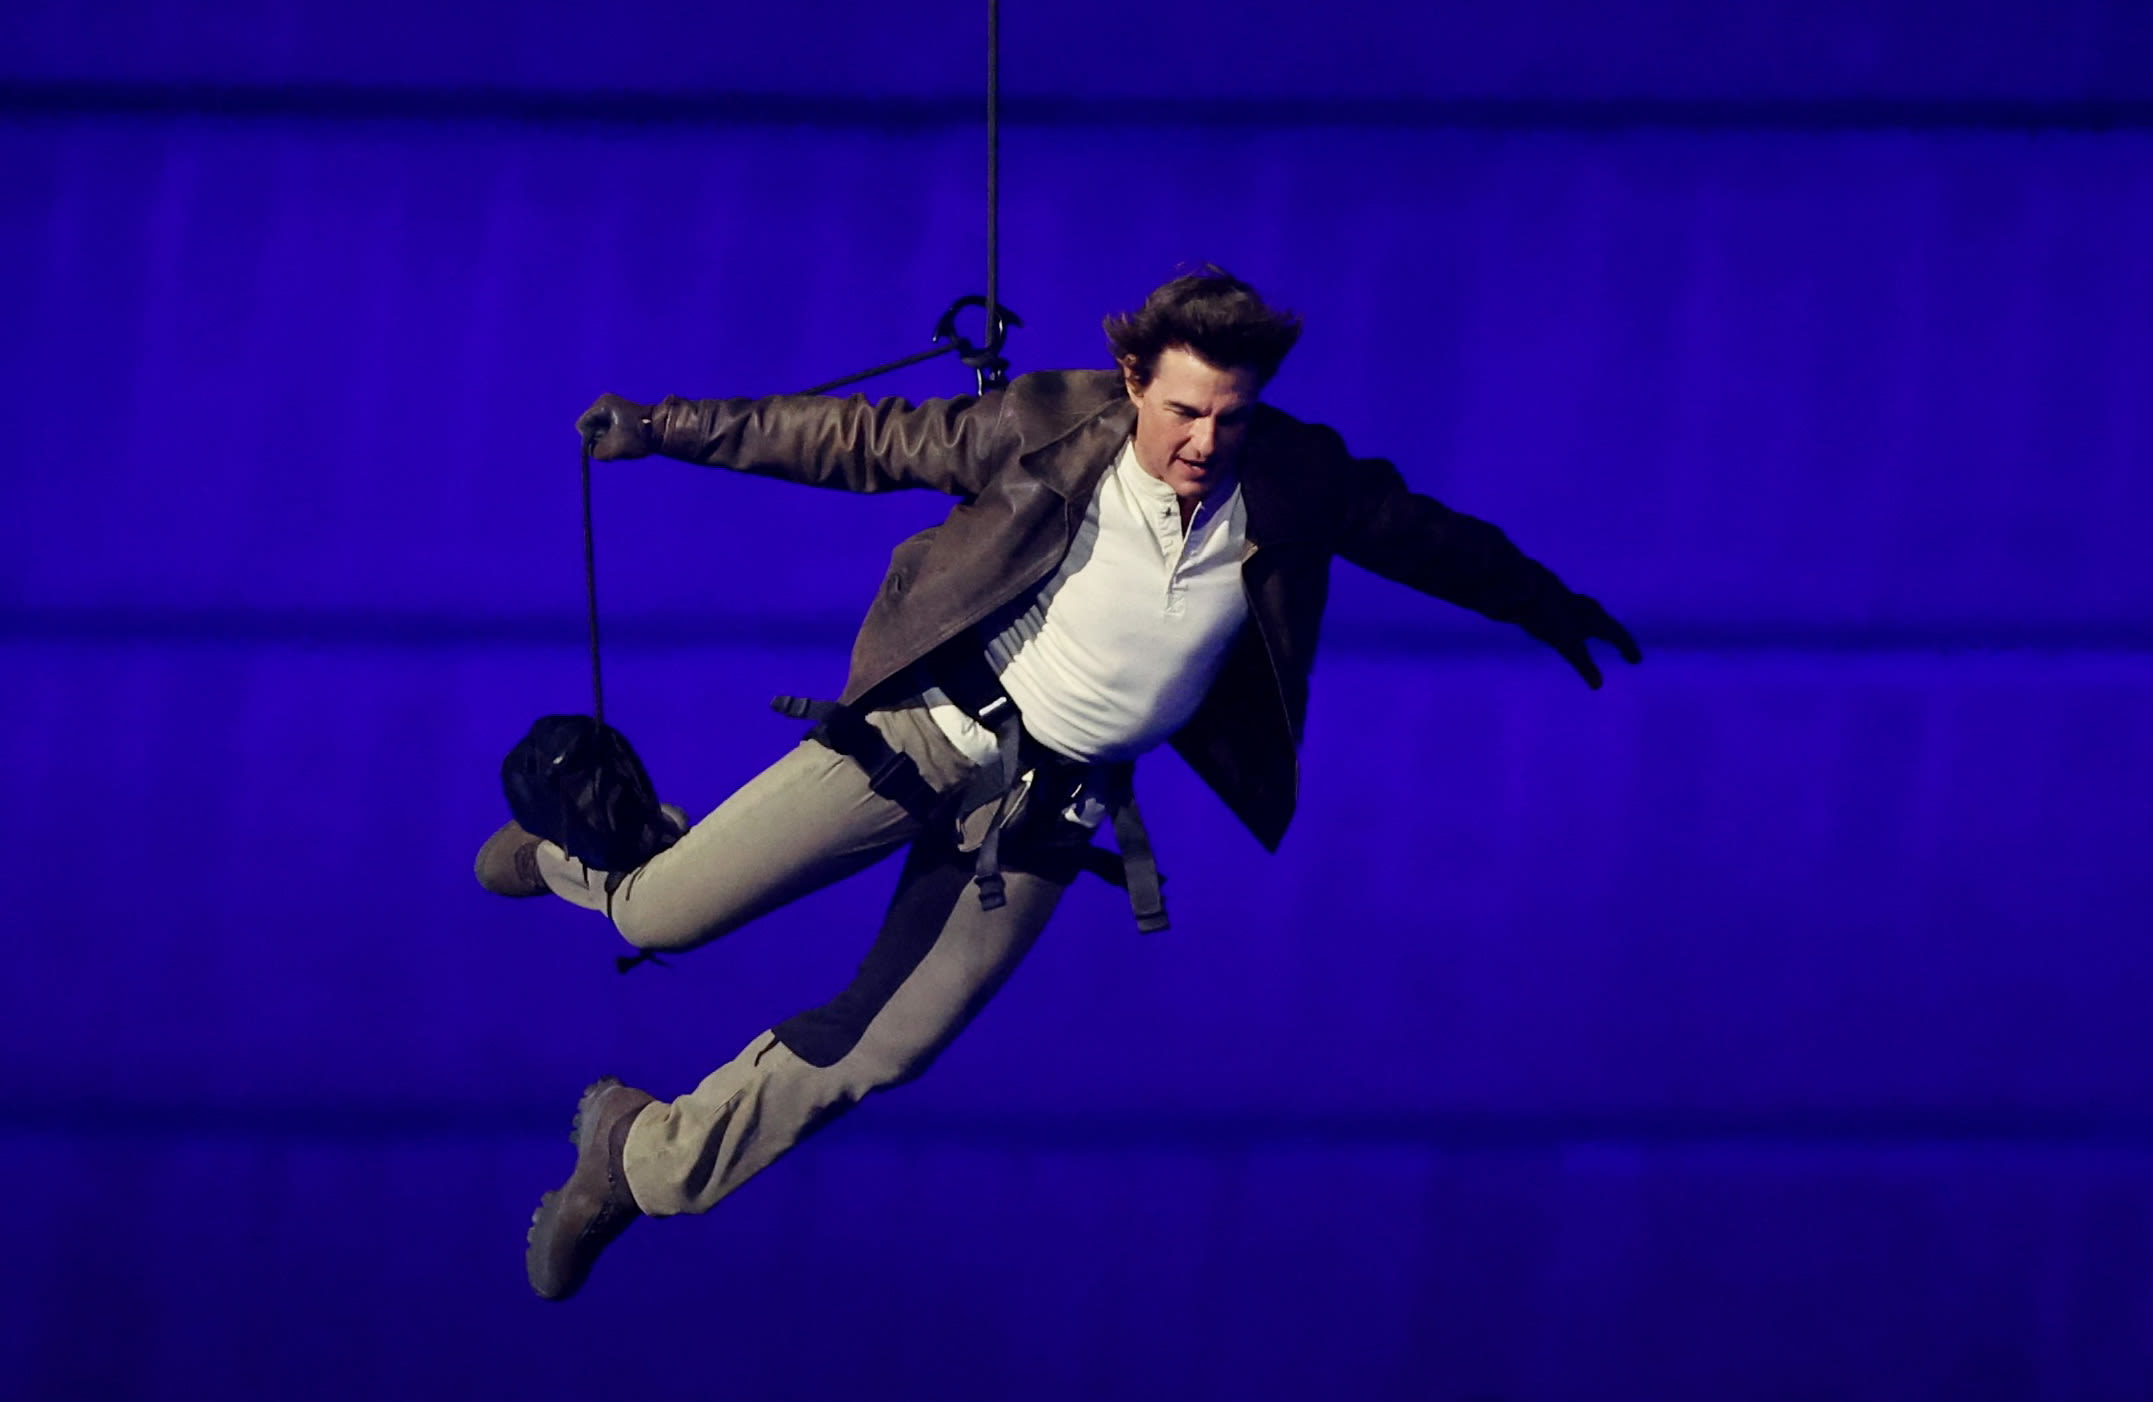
x=1202 y=434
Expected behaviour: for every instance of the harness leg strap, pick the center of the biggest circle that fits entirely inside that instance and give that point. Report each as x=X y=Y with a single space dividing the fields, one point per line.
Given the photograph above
x=1147 y=899
x=987 y=870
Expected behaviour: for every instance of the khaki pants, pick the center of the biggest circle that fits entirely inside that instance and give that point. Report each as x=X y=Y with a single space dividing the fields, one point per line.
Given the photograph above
x=809 y=820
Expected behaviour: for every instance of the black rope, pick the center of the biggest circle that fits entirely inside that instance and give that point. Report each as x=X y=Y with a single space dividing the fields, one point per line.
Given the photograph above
x=622 y=963
x=994 y=170
x=984 y=359
x=829 y=385
x=590 y=580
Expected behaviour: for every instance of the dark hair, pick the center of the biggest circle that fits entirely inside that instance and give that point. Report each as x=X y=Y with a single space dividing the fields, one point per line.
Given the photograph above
x=1220 y=318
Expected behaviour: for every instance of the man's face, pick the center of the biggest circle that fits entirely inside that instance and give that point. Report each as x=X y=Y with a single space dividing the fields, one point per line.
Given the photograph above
x=1190 y=421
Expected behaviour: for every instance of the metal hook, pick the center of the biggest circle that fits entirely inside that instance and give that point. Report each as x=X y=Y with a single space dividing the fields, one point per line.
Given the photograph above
x=986 y=360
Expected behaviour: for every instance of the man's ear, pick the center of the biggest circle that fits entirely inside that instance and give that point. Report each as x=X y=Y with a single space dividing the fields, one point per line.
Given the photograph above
x=1128 y=377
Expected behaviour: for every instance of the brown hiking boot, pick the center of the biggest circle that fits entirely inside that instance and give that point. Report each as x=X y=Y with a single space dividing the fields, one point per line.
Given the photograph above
x=507 y=863
x=584 y=1215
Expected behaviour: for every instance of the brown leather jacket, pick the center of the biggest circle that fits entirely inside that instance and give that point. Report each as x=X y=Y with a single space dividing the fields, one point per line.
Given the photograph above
x=1024 y=462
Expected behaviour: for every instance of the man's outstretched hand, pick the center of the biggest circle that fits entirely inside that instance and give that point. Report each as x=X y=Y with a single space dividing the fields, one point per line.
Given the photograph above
x=1565 y=626
x=617 y=428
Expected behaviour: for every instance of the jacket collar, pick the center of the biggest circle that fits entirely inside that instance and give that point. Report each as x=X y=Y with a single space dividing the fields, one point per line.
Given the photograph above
x=1083 y=446
x=1276 y=512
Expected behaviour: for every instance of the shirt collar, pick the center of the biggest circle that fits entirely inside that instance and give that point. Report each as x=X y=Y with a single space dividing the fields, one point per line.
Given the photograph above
x=1150 y=492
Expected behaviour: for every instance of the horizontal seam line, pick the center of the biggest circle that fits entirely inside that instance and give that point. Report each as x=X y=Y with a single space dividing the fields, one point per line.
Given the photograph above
x=414 y=632
x=244 y=101
x=1081 y=1132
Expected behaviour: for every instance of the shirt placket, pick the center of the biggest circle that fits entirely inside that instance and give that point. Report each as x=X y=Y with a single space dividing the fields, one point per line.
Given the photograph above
x=1181 y=550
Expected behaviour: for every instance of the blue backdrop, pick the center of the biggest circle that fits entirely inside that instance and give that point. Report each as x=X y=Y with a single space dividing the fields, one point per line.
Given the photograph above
x=1771 y=1024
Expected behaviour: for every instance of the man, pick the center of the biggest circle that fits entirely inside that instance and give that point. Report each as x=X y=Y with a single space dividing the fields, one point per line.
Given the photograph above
x=1137 y=556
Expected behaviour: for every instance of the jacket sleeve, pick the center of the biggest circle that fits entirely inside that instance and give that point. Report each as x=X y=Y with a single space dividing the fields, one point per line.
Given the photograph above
x=856 y=445
x=1419 y=542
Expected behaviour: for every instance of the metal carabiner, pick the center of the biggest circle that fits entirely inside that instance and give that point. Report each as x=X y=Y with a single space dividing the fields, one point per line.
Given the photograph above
x=986 y=361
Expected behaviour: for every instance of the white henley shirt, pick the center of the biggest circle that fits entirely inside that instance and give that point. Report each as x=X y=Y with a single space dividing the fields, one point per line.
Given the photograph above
x=1115 y=651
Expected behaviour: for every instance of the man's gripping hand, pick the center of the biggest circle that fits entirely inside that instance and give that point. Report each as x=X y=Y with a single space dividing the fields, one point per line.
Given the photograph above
x=618 y=428
x=1565 y=624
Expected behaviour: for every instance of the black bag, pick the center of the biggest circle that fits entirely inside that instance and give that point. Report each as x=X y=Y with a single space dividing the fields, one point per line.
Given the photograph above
x=577 y=781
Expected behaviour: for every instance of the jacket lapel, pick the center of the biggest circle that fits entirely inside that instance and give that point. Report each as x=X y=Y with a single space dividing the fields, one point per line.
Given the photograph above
x=1074 y=460
x=1275 y=516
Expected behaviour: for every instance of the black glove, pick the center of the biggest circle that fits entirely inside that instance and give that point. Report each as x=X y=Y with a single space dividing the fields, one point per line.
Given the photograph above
x=618 y=428
x=1566 y=622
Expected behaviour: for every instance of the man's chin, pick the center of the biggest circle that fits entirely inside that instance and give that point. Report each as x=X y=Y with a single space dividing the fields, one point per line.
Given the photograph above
x=1199 y=484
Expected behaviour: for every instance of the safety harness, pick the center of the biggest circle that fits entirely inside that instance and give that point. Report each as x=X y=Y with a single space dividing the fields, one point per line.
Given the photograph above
x=1034 y=778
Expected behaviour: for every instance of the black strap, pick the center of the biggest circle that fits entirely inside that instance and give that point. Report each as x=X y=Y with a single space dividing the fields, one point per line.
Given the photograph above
x=1009 y=743
x=1139 y=866
x=962 y=671
x=890 y=771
